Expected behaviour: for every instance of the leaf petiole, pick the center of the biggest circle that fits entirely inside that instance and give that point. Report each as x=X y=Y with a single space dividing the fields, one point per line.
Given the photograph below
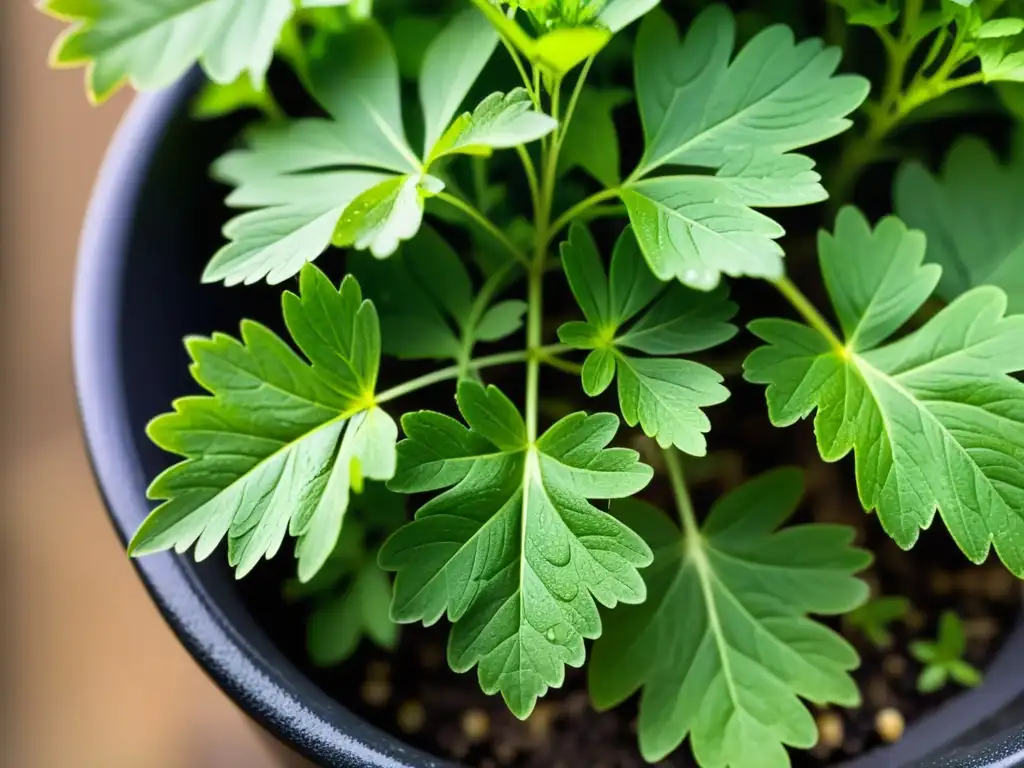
x=808 y=311
x=541 y=354
x=491 y=228
x=578 y=210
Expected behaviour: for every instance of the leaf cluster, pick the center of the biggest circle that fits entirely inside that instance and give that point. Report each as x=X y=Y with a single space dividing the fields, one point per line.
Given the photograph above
x=453 y=186
x=942 y=659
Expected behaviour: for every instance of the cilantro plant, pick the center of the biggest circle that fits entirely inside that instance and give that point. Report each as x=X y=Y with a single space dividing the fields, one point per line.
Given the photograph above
x=451 y=186
x=874 y=618
x=942 y=659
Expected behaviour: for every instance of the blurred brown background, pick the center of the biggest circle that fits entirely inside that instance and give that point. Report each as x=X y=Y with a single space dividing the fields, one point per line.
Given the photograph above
x=91 y=676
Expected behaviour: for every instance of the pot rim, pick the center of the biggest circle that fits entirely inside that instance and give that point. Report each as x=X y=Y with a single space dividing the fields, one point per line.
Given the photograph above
x=257 y=677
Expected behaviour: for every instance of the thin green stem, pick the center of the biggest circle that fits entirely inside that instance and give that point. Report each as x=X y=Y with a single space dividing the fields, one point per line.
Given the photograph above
x=454 y=371
x=531 y=177
x=808 y=311
x=560 y=364
x=535 y=301
x=514 y=54
x=684 y=504
x=479 y=166
x=563 y=129
x=486 y=223
x=962 y=82
x=578 y=210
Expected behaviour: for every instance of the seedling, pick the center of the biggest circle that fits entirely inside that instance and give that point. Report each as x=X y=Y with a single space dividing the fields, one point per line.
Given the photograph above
x=874 y=618
x=943 y=659
x=451 y=209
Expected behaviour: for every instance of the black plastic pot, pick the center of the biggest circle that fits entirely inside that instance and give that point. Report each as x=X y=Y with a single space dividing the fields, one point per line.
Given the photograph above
x=153 y=223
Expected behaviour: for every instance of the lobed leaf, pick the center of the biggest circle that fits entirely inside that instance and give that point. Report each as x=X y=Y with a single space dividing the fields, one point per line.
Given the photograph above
x=740 y=116
x=152 y=44
x=276 y=447
x=353 y=180
x=664 y=396
x=513 y=552
x=971 y=215
x=723 y=650
x=934 y=418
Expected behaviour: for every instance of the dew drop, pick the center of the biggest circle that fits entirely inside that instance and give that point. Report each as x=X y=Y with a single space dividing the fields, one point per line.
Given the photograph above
x=550 y=634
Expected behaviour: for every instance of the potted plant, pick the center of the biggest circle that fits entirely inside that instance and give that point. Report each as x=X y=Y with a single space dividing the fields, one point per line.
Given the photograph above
x=495 y=395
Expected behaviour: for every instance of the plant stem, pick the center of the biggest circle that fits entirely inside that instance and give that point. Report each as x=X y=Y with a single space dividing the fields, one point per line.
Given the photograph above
x=480 y=305
x=543 y=354
x=578 y=210
x=531 y=177
x=898 y=99
x=484 y=222
x=535 y=275
x=573 y=101
x=683 y=502
x=808 y=311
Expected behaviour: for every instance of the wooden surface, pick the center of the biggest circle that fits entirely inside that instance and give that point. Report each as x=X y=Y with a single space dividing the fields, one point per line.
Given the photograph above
x=92 y=678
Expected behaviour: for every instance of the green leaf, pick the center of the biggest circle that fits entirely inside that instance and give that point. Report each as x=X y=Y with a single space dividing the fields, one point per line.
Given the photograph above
x=971 y=215
x=739 y=116
x=874 y=617
x=217 y=100
x=338 y=624
x=692 y=229
x=384 y=216
x=290 y=173
x=501 y=320
x=934 y=419
x=1001 y=55
x=932 y=679
x=575 y=34
x=513 y=552
x=276 y=446
x=952 y=638
x=964 y=673
x=453 y=62
x=293 y=222
x=427 y=302
x=722 y=650
x=619 y=14
x=1000 y=28
x=499 y=122
x=591 y=140
x=153 y=44
x=869 y=13
x=663 y=395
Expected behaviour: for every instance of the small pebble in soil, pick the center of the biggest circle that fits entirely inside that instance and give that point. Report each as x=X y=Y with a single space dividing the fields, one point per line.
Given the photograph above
x=890 y=724
x=378 y=671
x=895 y=666
x=505 y=752
x=476 y=724
x=941 y=583
x=830 y=731
x=411 y=716
x=376 y=693
x=431 y=656
x=982 y=629
x=541 y=721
